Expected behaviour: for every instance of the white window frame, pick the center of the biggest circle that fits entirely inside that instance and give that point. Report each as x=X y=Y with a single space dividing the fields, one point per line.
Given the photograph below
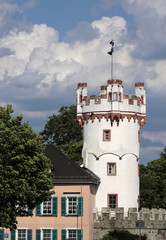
x=67 y=204
x=67 y=232
x=18 y=229
x=46 y=229
x=43 y=207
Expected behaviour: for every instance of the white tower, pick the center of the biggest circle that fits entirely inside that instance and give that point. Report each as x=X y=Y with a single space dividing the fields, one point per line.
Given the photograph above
x=111 y=138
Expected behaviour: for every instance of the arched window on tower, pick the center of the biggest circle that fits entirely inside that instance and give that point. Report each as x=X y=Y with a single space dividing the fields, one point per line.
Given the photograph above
x=80 y=100
x=115 y=96
x=142 y=99
x=110 y=96
x=120 y=96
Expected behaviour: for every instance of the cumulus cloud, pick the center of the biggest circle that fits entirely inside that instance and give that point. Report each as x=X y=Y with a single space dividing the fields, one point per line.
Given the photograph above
x=8 y=9
x=40 y=51
x=39 y=72
x=35 y=64
x=37 y=60
x=155 y=136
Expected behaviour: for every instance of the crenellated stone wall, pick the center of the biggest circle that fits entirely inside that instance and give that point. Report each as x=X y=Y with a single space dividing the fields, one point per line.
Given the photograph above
x=154 y=222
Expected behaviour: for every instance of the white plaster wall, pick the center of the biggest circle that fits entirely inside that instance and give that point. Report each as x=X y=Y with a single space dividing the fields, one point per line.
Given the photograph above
x=124 y=139
x=107 y=106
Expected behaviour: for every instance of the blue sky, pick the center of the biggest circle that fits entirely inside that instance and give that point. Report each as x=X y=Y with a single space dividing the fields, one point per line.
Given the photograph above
x=47 y=47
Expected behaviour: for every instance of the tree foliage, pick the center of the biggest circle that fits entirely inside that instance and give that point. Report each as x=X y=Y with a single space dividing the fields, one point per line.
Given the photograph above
x=117 y=234
x=153 y=183
x=63 y=131
x=25 y=177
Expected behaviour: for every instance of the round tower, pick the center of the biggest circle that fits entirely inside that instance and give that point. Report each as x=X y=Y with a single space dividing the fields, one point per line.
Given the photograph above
x=111 y=138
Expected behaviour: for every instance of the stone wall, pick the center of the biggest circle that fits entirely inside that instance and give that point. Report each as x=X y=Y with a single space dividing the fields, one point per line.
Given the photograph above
x=154 y=222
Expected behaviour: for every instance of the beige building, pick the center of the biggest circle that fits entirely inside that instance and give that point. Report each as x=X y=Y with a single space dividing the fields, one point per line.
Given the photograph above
x=69 y=212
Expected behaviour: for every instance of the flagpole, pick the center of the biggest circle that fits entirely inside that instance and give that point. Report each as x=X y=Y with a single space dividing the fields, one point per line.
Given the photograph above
x=111 y=54
x=112 y=66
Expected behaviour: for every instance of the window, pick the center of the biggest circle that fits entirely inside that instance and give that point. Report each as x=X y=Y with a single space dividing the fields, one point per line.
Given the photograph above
x=111 y=169
x=23 y=211
x=106 y=135
x=120 y=96
x=80 y=98
x=75 y=234
x=46 y=234
x=110 y=96
x=112 y=200
x=21 y=234
x=138 y=136
x=49 y=207
x=72 y=234
x=115 y=96
x=72 y=205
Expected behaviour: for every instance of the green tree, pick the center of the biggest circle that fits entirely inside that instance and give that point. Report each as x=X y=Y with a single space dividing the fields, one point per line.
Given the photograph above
x=117 y=234
x=153 y=183
x=25 y=177
x=63 y=131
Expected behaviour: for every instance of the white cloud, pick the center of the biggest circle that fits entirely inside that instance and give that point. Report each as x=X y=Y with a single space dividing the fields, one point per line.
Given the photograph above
x=39 y=51
x=36 y=114
x=149 y=153
x=159 y=6
x=36 y=63
x=155 y=78
x=155 y=136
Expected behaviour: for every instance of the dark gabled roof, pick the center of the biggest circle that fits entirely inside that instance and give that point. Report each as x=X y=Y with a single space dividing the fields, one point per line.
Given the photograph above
x=67 y=171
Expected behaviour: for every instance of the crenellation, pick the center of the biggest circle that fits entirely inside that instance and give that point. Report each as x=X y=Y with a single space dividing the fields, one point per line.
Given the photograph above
x=81 y=85
x=154 y=215
x=113 y=81
x=103 y=88
x=153 y=219
x=140 y=84
x=103 y=91
x=125 y=96
x=103 y=96
x=111 y=99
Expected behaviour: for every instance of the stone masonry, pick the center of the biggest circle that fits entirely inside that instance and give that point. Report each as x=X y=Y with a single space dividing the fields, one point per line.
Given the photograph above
x=154 y=222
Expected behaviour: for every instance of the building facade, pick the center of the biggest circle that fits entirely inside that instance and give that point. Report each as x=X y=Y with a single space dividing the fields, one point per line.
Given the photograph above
x=111 y=139
x=69 y=212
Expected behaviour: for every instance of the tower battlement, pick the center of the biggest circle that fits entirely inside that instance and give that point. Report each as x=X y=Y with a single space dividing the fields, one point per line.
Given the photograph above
x=111 y=138
x=151 y=222
x=111 y=103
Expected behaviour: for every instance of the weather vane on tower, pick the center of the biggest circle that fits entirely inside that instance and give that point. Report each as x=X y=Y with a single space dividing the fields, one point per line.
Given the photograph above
x=111 y=53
